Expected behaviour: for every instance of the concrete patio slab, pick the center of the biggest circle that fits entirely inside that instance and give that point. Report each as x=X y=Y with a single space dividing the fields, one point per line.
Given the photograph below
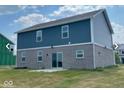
x=49 y=70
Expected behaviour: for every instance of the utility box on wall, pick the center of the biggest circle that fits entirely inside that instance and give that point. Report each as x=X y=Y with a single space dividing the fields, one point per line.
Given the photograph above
x=6 y=51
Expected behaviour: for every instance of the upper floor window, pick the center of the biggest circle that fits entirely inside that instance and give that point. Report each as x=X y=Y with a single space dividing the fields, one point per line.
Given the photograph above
x=65 y=31
x=39 y=36
x=23 y=56
x=39 y=56
x=79 y=54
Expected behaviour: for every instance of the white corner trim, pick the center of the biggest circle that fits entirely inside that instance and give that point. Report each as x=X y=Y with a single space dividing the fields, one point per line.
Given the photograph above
x=92 y=40
x=94 y=59
x=54 y=46
x=92 y=29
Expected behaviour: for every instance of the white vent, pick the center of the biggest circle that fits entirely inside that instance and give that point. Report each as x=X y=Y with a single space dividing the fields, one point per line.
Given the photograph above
x=11 y=48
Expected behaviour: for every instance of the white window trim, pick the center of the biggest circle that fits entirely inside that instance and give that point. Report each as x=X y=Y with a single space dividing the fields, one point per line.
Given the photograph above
x=79 y=53
x=37 y=35
x=62 y=31
x=39 y=56
x=23 y=56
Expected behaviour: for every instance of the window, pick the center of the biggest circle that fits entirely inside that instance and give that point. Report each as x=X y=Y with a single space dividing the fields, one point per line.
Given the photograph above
x=39 y=36
x=65 y=31
x=39 y=56
x=23 y=57
x=122 y=52
x=79 y=54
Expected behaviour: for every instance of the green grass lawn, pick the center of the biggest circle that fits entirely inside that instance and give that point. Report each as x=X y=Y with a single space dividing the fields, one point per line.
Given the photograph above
x=107 y=77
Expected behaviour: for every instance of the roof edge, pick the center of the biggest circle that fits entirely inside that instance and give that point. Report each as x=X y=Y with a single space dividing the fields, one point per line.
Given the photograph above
x=21 y=31
x=60 y=21
x=106 y=19
x=6 y=38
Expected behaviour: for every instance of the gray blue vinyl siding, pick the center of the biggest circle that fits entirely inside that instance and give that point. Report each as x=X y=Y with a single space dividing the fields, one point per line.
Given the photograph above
x=101 y=31
x=79 y=32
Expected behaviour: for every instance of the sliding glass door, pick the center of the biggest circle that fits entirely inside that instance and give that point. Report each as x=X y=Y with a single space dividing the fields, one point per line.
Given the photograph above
x=57 y=59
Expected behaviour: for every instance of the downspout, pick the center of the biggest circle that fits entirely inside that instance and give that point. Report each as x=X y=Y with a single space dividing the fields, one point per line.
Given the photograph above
x=92 y=41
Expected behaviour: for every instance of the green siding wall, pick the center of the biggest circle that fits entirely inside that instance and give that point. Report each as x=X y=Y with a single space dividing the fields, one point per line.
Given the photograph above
x=6 y=56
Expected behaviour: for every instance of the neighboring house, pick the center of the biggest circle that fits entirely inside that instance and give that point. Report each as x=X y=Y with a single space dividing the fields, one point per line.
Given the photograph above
x=6 y=51
x=82 y=41
x=120 y=51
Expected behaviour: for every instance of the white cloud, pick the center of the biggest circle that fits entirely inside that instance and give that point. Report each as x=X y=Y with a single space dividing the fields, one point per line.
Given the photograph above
x=8 y=9
x=117 y=28
x=69 y=10
x=13 y=38
x=22 y=6
x=31 y=19
x=118 y=36
x=32 y=7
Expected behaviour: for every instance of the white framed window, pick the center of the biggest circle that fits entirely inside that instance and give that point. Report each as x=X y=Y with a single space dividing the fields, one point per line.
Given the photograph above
x=23 y=56
x=79 y=54
x=39 y=56
x=39 y=36
x=65 y=31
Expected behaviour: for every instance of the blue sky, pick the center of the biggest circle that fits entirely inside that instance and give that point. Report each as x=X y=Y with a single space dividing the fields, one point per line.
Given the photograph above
x=14 y=18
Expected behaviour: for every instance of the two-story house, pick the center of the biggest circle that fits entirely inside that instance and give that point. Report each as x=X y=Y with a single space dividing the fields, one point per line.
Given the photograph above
x=81 y=41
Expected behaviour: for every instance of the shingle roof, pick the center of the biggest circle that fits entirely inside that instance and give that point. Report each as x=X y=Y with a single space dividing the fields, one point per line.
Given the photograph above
x=63 y=21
